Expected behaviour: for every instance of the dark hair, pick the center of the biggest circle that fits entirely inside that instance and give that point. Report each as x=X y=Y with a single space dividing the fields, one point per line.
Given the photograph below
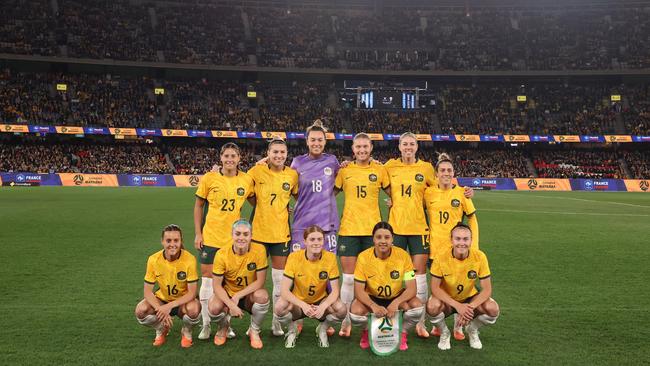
x=382 y=225
x=443 y=158
x=229 y=145
x=460 y=225
x=317 y=126
x=275 y=141
x=173 y=227
x=312 y=229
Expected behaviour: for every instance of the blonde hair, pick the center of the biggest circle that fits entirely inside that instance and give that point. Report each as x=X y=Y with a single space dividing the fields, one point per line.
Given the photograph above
x=361 y=135
x=407 y=134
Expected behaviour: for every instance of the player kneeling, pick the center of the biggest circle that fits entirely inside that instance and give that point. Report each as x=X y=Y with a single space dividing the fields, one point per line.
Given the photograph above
x=238 y=280
x=454 y=274
x=304 y=291
x=174 y=269
x=384 y=283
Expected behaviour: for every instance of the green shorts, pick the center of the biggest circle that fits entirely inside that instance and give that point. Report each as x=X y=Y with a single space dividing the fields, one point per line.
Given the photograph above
x=276 y=249
x=414 y=244
x=206 y=256
x=351 y=246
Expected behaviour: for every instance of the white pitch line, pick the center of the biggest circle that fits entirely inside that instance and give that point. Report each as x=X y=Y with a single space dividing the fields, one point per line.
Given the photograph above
x=562 y=213
x=571 y=198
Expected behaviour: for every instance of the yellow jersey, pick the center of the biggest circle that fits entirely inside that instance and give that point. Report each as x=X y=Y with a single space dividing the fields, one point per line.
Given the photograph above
x=272 y=195
x=225 y=196
x=445 y=209
x=172 y=276
x=384 y=278
x=361 y=186
x=459 y=277
x=239 y=271
x=407 y=185
x=310 y=278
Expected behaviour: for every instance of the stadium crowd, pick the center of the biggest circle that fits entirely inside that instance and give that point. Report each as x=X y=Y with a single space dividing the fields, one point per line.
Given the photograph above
x=577 y=164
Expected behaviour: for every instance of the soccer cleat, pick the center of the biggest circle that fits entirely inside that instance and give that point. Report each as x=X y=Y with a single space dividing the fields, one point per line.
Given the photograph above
x=322 y=333
x=290 y=339
x=186 y=342
x=445 y=339
x=435 y=331
x=330 y=331
x=231 y=333
x=205 y=332
x=254 y=337
x=458 y=334
x=472 y=334
x=276 y=328
x=421 y=330
x=220 y=336
x=364 y=343
x=299 y=326
x=161 y=337
x=346 y=329
x=403 y=343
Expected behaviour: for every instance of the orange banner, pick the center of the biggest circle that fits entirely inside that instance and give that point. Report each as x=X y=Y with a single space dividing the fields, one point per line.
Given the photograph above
x=225 y=134
x=566 y=138
x=468 y=138
x=88 y=180
x=376 y=136
x=272 y=134
x=175 y=133
x=14 y=128
x=618 y=138
x=516 y=138
x=330 y=136
x=422 y=137
x=542 y=184
x=68 y=130
x=187 y=180
x=123 y=131
x=637 y=185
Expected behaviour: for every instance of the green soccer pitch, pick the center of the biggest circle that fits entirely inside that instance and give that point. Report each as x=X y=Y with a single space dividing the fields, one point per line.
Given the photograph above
x=568 y=269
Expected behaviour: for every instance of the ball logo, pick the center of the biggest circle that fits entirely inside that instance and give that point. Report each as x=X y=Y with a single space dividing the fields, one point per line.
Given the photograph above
x=240 y=191
x=194 y=180
x=386 y=325
x=269 y=135
x=532 y=184
x=117 y=131
x=455 y=203
x=372 y=177
x=251 y=266
x=168 y=132
x=394 y=275
x=286 y=186
x=78 y=179
x=7 y=128
x=327 y=171
x=64 y=130
x=419 y=177
x=644 y=185
x=181 y=276
x=322 y=275
x=219 y=133
x=462 y=137
x=511 y=138
x=562 y=138
x=612 y=138
x=471 y=274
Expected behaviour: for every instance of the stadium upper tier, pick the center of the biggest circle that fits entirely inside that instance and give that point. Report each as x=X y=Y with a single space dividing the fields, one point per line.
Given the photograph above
x=277 y=34
x=550 y=108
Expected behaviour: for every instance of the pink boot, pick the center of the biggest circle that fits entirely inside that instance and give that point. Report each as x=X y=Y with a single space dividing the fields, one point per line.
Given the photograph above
x=364 y=344
x=403 y=345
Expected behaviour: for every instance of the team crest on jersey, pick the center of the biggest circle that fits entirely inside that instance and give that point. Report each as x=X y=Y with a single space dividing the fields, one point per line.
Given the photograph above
x=419 y=177
x=322 y=275
x=455 y=203
x=181 y=275
x=251 y=266
x=394 y=275
x=286 y=186
x=327 y=171
x=295 y=247
x=372 y=177
x=240 y=191
x=471 y=274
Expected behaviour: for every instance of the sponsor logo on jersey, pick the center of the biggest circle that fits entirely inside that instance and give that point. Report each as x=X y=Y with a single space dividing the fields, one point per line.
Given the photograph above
x=322 y=275
x=455 y=203
x=240 y=191
x=327 y=171
x=394 y=275
x=372 y=177
x=286 y=186
x=251 y=266
x=471 y=274
x=181 y=275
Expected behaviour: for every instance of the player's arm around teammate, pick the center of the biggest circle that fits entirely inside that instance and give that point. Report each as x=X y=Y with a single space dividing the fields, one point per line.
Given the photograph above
x=453 y=288
x=361 y=182
x=239 y=275
x=384 y=283
x=305 y=293
x=224 y=192
x=174 y=269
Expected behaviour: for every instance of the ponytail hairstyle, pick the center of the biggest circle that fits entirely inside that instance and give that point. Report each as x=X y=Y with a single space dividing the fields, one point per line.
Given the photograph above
x=443 y=158
x=317 y=126
x=276 y=140
x=408 y=134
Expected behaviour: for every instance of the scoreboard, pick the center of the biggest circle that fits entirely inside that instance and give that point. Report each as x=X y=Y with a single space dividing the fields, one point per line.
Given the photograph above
x=386 y=96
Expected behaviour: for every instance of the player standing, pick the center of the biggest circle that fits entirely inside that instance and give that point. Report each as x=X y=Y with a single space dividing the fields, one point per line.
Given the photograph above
x=225 y=192
x=174 y=270
x=384 y=284
x=239 y=275
x=361 y=182
x=454 y=277
x=310 y=288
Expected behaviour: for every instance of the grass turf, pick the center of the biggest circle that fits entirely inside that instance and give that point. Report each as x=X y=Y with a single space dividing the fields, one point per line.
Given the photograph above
x=568 y=270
